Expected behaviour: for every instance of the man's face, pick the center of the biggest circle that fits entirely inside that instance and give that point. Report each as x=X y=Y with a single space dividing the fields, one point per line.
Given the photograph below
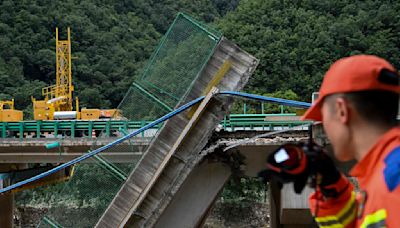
x=336 y=128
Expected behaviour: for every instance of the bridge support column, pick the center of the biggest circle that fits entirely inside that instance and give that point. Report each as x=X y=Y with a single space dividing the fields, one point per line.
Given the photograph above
x=288 y=209
x=6 y=201
x=194 y=199
x=275 y=204
x=6 y=210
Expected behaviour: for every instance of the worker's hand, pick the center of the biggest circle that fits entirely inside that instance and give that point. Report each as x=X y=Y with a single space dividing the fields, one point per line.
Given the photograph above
x=297 y=162
x=323 y=169
x=287 y=164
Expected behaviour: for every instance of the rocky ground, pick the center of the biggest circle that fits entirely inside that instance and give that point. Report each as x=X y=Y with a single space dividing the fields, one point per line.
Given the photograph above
x=231 y=215
x=28 y=217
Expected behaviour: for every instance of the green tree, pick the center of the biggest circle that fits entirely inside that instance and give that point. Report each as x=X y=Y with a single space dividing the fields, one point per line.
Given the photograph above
x=296 y=41
x=111 y=42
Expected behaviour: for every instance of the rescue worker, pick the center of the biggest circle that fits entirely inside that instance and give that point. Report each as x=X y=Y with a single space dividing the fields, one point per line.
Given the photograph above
x=358 y=107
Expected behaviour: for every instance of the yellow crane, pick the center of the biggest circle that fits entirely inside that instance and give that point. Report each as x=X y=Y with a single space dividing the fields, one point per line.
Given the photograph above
x=58 y=98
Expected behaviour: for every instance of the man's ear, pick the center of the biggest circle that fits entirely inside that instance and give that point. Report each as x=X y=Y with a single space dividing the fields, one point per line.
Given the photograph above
x=342 y=110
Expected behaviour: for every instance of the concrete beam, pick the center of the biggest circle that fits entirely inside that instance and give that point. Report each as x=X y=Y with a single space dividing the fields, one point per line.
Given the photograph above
x=195 y=196
x=255 y=157
x=34 y=150
x=43 y=157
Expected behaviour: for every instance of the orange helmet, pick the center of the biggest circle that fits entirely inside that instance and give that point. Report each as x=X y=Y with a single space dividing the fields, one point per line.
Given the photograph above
x=352 y=74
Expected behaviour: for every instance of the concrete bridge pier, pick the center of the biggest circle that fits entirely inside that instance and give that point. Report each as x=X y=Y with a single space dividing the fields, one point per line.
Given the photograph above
x=6 y=202
x=6 y=210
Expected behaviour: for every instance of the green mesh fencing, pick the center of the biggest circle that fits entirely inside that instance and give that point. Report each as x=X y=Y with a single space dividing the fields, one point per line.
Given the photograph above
x=177 y=61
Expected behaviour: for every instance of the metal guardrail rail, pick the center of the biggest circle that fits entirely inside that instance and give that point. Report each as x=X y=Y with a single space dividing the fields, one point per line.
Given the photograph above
x=260 y=122
x=71 y=128
x=111 y=128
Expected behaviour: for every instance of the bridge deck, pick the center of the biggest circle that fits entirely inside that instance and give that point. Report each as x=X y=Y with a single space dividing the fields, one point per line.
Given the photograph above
x=34 y=150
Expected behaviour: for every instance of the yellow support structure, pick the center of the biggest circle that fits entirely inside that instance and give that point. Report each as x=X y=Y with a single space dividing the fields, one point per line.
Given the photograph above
x=58 y=97
x=226 y=66
x=64 y=88
x=61 y=93
x=218 y=76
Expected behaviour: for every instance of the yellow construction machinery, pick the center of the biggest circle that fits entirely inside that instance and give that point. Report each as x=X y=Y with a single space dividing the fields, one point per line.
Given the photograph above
x=58 y=98
x=93 y=114
x=8 y=113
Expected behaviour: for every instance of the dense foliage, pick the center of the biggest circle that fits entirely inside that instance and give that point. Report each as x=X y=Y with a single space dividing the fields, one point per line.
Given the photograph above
x=111 y=40
x=297 y=40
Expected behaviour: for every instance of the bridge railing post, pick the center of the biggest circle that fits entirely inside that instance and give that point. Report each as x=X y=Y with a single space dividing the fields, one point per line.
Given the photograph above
x=73 y=129
x=142 y=124
x=3 y=130
x=38 y=124
x=55 y=128
x=90 y=129
x=21 y=130
x=108 y=128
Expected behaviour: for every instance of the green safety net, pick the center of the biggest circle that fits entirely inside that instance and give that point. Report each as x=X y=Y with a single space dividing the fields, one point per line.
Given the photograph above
x=178 y=59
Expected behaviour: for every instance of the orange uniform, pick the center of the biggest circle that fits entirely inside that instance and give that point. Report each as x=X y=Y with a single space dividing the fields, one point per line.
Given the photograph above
x=377 y=204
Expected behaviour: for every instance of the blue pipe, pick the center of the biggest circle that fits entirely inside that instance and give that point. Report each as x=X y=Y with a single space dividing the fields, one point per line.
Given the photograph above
x=297 y=104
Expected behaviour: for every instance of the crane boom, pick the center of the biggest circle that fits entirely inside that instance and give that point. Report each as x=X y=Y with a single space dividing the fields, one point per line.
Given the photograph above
x=64 y=87
x=60 y=94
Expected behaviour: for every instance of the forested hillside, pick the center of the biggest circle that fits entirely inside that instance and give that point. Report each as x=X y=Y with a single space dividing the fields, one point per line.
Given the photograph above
x=111 y=40
x=297 y=40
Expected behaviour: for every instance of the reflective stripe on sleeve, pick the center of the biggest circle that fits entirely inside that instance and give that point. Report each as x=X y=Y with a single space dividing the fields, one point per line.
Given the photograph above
x=375 y=220
x=341 y=219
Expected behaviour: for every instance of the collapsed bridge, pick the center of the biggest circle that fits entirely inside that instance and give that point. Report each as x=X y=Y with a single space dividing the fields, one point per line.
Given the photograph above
x=189 y=85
